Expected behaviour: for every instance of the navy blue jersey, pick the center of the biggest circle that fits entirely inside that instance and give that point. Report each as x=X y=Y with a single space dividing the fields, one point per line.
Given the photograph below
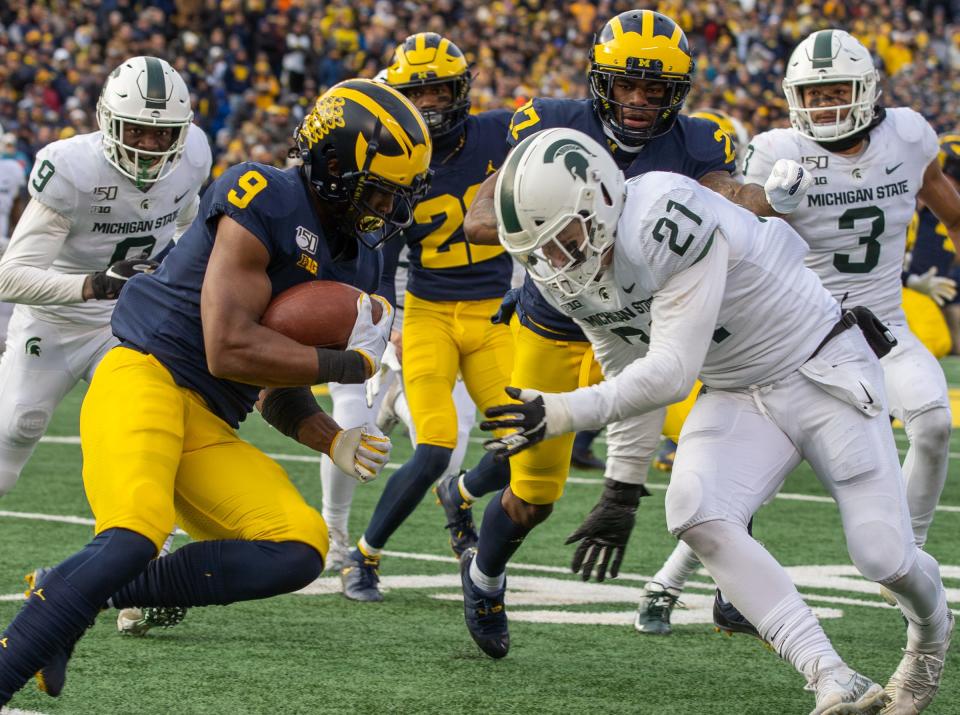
x=690 y=148
x=443 y=265
x=932 y=248
x=160 y=313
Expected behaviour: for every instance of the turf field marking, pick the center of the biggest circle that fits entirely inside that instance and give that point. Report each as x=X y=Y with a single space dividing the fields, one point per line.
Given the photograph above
x=7 y=711
x=281 y=457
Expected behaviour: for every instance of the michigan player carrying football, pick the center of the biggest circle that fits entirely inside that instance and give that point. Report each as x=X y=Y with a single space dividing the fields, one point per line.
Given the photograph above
x=674 y=281
x=640 y=75
x=870 y=166
x=188 y=370
x=452 y=290
x=102 y=204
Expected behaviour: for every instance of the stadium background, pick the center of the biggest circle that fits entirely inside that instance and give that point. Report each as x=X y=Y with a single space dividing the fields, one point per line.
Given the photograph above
x=254 y=67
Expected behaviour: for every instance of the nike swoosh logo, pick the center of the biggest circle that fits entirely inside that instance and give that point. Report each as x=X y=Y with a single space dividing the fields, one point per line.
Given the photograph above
x=869 y=396
x=893 y=168
x=176 y=199
x=630 y=289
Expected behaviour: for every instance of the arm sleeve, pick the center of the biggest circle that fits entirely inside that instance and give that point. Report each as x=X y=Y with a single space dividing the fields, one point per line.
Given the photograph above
x=684 y=317
x=25 y=275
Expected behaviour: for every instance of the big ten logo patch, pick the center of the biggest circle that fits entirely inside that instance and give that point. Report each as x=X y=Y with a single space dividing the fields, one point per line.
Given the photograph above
x=307 y=241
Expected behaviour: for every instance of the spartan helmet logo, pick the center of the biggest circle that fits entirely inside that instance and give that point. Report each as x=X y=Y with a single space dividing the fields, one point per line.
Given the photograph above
x=574 y=156
x=32 y=346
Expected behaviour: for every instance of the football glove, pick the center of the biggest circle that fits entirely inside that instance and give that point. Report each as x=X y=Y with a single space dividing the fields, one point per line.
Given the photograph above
x=106 y=285
x=360 y=453
x=388 y=362
x=787 y=185
x=368 y=338
x=539 y=416
x=603 y=535
x=941 y=289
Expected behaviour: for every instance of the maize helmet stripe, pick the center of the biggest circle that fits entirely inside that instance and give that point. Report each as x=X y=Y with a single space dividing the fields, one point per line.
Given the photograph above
x=506 y=184
x=156 y=86
x=823 y=50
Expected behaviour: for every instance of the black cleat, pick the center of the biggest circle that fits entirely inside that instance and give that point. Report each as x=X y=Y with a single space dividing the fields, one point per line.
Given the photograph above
x=463 y=533
x=587 y=460
x=727 y=619
x=484 y=613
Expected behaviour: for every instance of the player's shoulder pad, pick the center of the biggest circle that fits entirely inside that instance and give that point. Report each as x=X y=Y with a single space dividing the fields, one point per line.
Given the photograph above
x=700 y=138
x=277 y=192
x=196 y=150
x=675 y=222
x=911 y=126
x=493 y=119
x=58 y=179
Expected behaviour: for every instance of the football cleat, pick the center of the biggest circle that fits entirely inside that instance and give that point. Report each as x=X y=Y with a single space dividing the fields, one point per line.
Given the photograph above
x=338 y=552
x=840 y=690
x=727 y=619
x=53 y=676
x=360 y=578
x=463 y=533
x=916 y=680
x=586 y=460
x=139 y=621
x=387 y=418
x=665 y=456
x=653 y=613
x=484 y=613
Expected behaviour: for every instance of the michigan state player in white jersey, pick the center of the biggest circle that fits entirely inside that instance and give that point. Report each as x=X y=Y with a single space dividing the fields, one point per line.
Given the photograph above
x=101 y=204
x=670 y=280
x=870 y=167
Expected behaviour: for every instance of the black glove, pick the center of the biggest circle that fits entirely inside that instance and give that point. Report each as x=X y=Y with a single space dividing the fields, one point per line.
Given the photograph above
x=606 y=530
x=107 y=284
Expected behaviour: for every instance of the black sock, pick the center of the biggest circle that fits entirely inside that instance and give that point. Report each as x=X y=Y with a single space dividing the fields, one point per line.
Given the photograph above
x=489 y=475
x=500 y=537
x=405 y=489
x=67 y=602
x=204 y=573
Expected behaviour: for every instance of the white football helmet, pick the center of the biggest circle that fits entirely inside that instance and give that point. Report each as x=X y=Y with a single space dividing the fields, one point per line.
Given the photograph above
x=146 y=91
x=558 y=198
x=825 y=57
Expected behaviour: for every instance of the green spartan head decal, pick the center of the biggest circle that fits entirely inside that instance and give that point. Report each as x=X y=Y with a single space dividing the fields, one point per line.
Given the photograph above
x=574 y=157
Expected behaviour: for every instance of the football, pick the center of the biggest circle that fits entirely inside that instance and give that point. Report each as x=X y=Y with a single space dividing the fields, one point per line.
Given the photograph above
x=318 y=313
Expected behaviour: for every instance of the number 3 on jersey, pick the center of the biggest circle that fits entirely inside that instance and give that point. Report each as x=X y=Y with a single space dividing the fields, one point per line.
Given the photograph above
x=250 y=184
x=446 y=246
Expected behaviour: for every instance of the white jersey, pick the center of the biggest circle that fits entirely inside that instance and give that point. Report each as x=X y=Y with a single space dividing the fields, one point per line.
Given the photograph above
x=12 y=178
x=773 y=312
x=855 y=215
x=110 y=218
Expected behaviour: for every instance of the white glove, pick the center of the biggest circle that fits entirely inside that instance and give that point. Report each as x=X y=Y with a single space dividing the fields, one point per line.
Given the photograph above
x=937 y=287
x=387 y=363
x=360 y=453
x=787 y=185
x=539 y=416
x=368 y=338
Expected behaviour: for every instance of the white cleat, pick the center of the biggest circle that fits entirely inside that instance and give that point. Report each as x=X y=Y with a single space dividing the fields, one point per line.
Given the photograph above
x=841 y=691
x=916 y=680
x=139 y=621
x=387 y=417
x=338 y=551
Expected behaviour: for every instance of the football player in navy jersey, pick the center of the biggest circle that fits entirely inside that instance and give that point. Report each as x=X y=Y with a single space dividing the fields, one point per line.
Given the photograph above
x=641 y=71
x=158 y=423
x=453 y=288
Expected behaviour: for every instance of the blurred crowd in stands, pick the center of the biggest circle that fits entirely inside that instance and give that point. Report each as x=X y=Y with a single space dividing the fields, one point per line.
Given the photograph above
x=254 y=66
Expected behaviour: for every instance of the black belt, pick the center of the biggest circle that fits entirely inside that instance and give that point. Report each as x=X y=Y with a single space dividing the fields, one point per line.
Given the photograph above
x=847 y=321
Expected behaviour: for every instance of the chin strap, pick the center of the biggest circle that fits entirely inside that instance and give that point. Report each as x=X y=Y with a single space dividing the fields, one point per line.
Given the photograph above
x=879 y=114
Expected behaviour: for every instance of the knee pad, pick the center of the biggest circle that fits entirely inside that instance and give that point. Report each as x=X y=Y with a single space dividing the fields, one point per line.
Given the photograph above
x=880 y=551
x=27 y=425
x=930 y=431
x=684 y=502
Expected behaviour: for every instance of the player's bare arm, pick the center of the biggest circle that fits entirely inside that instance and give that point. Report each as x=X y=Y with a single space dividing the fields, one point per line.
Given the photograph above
x=750 y=196
x=942 y=198
x=480 y=223
x=235 y=293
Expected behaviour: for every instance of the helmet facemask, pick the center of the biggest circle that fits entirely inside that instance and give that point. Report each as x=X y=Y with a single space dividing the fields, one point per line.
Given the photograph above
x=572 y=258
x=847 y=118
x=444 y=121
x=675 y=90
x=140 y=165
